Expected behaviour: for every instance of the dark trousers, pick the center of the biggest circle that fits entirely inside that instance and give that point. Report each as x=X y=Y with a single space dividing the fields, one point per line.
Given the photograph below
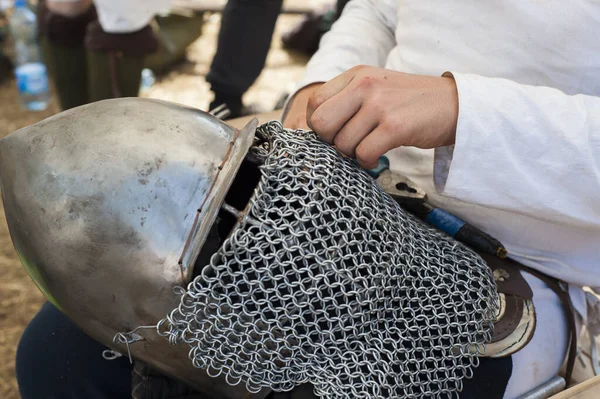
x=339 y=7
x=56 y=360
x=244 y=41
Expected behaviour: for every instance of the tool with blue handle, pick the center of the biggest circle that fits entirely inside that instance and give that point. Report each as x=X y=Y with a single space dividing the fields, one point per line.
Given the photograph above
x=414 y=200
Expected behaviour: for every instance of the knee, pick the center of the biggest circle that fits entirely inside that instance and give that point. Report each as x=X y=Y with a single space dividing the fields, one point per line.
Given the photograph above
x=34 y=359
x=56 y=359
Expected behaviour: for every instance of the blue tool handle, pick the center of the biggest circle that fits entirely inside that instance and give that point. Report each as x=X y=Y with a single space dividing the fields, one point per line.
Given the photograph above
x=383 y=164
x=444 y=221
x=465 y=232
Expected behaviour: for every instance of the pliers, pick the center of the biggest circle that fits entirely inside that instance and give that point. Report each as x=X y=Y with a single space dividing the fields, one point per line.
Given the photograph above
x=414 y=200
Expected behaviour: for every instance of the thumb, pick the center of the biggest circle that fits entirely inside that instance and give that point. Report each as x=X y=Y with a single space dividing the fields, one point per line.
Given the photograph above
x=296 y=121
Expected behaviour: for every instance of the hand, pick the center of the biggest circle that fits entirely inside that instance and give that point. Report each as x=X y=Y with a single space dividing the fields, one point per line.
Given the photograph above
x=367 y=111
x=295 y=117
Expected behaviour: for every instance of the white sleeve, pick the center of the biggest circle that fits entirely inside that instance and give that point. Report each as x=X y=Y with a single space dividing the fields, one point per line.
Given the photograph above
x=363 y=35
x=525 y=149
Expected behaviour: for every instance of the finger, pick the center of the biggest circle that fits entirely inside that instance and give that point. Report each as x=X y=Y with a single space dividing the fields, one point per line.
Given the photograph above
x=373 y=146
x=296 y=121
x=333 y=114
x=354 y=131
x=328 y=90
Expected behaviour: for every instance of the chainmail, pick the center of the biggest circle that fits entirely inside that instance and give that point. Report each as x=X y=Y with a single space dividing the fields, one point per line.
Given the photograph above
x=327 y=280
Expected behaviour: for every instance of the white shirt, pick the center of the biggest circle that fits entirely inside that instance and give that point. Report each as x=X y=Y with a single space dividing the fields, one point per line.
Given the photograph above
x=125 y=16
x=526 y=164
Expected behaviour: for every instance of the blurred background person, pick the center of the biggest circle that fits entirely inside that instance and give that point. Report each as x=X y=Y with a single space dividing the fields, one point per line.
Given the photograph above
x=244 y=40
x=95 y=49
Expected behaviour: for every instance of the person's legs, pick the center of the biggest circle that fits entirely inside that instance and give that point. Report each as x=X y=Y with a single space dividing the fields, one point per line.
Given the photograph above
x=55 y=359
x=62 y=28
x=244 y=41
x=115 y=61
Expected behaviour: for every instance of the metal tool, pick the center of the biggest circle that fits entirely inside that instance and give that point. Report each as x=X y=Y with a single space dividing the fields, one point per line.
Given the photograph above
x=412 y=198
x=547 y=390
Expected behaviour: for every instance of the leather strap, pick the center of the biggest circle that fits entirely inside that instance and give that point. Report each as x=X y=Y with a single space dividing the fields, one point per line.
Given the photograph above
x=514 y=308
x=563 y=294
x=518 y=286
x=517 y=322
x=512 y=281
x=114 y=79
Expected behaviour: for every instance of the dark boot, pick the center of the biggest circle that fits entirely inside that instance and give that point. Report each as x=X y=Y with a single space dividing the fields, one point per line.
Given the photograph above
x=233 y=103
x=244 y=40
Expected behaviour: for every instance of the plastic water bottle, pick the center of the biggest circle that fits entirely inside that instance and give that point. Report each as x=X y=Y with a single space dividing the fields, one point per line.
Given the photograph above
x=148 y=79
x=30 y=71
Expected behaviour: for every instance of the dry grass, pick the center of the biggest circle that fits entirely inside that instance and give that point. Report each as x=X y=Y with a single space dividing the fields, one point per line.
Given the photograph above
x=19 y=298
x=187 y=85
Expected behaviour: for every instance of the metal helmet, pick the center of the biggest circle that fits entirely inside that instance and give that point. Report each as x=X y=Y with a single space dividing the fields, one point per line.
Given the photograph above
x=108 y=206
x=306 y=270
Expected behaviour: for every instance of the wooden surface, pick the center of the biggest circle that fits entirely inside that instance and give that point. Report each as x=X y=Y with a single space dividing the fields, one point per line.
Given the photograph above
x=589 y=389
x=262 y=118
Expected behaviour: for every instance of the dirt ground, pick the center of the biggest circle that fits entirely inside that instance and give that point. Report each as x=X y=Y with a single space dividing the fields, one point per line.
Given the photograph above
x=19 y=298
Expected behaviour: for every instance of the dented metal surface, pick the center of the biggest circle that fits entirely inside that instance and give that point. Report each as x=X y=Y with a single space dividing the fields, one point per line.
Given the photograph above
x=101 y=200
